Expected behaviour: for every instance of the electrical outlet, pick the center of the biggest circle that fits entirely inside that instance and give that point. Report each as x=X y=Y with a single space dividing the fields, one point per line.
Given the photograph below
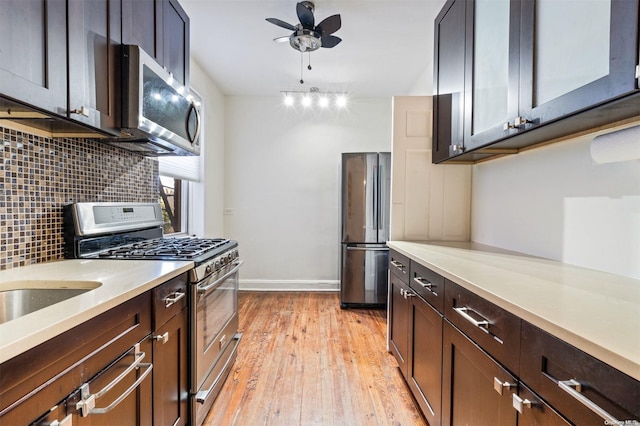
x=227 y=212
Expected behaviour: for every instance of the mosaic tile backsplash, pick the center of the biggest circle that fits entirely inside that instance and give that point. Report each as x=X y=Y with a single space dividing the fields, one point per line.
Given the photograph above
x=39 y=175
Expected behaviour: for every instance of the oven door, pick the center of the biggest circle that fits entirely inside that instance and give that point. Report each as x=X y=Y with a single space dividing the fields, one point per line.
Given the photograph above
x=214 y=333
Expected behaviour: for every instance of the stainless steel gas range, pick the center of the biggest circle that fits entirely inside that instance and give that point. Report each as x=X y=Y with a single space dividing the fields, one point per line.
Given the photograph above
x=134 y=231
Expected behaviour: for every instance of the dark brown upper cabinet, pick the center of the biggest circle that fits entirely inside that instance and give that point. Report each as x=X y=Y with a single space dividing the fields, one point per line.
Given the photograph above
x=534 y=70
x=33 y=52
x=94 y=63
x=161 y=28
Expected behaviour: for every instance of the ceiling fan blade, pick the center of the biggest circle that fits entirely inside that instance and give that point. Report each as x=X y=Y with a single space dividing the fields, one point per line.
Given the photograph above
x=282 y=39
x=330 y=41
x=282 y=24
x=329 y=25
x=305 y=15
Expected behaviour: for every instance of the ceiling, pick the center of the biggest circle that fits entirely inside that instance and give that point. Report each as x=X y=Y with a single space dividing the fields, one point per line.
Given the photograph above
x=387 y=45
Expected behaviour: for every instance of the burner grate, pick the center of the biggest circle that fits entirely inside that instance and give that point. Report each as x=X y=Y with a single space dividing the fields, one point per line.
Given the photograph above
x=178 y=248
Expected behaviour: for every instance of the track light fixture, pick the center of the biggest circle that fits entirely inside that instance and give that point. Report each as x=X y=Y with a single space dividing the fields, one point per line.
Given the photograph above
x=314 y=98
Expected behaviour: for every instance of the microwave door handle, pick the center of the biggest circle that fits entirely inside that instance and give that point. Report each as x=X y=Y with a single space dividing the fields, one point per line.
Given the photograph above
x=198 y=123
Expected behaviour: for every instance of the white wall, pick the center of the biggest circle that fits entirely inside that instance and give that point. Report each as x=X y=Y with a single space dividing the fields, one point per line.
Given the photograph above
x=206 y=200
x=282 y=185
x=554 y=202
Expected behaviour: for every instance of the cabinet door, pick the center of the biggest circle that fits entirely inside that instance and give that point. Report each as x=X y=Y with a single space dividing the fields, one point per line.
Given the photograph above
x=94 y=63
x=448 y=103
x=574 y=58
x=175 y=39
x=425 y=361
x=141 y=20
x=491 y=75
x=33 y=53
x=128 y=402
x=399 y=322
x=170 y=386
x=533 y=411
x=475 y=389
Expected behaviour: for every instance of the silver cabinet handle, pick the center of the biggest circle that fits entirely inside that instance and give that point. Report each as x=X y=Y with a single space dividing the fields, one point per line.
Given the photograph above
x=173 y=298
x=83 y=110
x=426 y=284
x=87 y=405
x=499 y=385
x=164 y=338
x=519 y=403
x=406 y=293
x=398 y=265
x=482 y=324
x=574 y=388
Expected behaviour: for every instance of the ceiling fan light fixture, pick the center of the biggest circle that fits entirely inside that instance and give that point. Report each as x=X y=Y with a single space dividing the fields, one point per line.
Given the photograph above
x=305 y=41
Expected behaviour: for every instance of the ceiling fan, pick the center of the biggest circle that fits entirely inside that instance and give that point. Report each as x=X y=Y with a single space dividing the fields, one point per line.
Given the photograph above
x=306 y=37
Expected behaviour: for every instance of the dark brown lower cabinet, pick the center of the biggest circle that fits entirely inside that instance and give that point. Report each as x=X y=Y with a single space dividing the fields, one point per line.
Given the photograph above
x=399 y=318
x=170 y=376
x=108 y=409
x=475 y=389
x=46 y=383
x=584 y=389
x=425 y=358
x=170 y=353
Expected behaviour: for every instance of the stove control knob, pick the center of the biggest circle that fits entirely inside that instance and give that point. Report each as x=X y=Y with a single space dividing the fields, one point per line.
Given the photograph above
x=207 y=270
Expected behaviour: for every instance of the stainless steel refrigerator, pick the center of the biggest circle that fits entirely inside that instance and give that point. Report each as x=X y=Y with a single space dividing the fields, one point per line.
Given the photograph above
x=366 y=195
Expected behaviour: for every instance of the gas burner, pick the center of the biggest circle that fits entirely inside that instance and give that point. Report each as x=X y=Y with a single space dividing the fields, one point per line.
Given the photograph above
x=167 y=248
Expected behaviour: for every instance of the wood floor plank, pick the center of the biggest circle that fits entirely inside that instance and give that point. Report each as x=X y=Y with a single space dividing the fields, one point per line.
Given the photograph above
x=304 y=361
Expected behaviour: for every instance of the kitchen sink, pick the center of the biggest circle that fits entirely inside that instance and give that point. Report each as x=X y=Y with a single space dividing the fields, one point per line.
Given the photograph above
x=20 y=298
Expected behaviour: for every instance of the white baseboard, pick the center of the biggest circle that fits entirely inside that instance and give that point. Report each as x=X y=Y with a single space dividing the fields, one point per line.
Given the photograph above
x=289 y=285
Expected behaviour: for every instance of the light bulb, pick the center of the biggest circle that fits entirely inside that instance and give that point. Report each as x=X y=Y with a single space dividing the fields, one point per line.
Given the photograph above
x=341 y=101
x=306 y=101
x=288 y=100
x=323 y=102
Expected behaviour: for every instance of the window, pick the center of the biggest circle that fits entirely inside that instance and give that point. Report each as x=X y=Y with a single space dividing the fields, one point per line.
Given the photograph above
x=171 y=201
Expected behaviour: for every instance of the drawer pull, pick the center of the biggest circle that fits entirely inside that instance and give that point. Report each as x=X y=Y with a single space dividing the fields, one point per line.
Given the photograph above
x=574 y=388
x=426 y=284
x=397 y=265
x=519 y=403
x=406 y=294
x=174 y=298
x=87 y=405
x=483 y=324
x=499 y=385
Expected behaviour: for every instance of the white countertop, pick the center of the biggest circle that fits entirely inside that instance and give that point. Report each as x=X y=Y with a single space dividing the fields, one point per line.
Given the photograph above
x=117 y=281
x=594 y=311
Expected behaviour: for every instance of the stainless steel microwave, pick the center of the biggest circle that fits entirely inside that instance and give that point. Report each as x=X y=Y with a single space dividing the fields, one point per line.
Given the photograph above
x=159 y=115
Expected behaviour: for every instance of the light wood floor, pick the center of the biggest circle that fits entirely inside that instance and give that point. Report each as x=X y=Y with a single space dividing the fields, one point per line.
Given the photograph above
x=303 y=361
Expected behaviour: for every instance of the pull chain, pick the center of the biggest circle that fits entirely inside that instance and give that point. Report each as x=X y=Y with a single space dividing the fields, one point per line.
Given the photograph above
x=301 y=67
x=309 y=66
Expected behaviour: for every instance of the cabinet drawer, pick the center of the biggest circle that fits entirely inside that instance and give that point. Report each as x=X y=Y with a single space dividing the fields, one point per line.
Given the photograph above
x=551 y=363
x=427 y=284
x=67 y=361
x=399 y=266
x=494 y=329
x=169 y=299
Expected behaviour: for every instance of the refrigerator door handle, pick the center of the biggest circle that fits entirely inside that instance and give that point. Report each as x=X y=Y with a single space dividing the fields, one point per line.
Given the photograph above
x=367 y=249
x=379 y=196
x=374 y=207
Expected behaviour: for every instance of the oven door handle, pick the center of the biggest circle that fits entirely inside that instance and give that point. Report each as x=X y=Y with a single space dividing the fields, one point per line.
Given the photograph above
x=203 y=290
